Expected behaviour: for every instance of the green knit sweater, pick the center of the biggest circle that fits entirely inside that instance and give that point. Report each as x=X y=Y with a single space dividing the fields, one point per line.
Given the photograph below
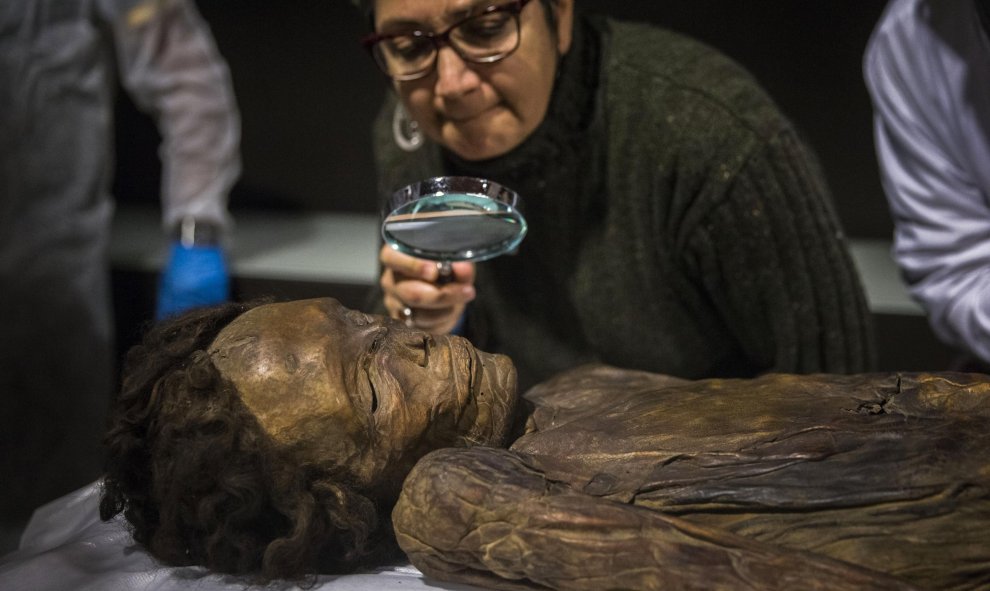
x=677 y=223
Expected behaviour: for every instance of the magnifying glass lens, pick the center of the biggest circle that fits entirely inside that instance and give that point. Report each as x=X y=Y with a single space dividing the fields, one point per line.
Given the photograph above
x=455 y=223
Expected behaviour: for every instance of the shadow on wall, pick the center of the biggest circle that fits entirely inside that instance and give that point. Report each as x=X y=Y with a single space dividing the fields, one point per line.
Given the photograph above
x=308 y=93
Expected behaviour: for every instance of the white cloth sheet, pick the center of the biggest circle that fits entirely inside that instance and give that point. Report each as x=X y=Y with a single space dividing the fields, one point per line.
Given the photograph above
x=66 y=546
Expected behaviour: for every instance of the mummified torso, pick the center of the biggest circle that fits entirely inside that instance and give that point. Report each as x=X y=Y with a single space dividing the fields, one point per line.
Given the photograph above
x=634 y=480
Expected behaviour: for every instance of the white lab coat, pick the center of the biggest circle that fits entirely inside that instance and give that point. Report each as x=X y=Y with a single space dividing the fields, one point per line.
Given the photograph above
x=927 y=67
x=59 y=65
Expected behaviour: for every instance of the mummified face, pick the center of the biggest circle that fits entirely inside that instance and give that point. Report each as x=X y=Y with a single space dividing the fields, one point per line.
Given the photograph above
x=363 y=392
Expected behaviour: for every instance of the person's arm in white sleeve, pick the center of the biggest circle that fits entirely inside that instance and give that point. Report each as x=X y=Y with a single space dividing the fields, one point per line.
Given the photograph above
x=941 y=214
x=169 y=64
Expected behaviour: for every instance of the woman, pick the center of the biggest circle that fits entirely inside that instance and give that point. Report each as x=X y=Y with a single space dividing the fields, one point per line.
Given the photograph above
x=677 y=223
x=276 y=441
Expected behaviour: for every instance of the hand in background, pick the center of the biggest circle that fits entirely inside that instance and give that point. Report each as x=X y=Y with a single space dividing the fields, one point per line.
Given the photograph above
x=194 y=276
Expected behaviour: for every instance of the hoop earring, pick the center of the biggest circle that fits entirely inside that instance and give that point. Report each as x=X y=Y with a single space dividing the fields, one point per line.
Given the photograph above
x=406 y=130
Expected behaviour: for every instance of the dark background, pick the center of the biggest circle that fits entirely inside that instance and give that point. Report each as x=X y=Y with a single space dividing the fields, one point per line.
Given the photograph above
x=308 y=92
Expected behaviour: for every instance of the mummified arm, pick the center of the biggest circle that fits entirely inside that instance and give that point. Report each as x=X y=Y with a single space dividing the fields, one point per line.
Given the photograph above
x=482 y=516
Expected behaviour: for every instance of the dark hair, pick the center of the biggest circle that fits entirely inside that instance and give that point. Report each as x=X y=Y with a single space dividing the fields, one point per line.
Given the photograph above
x=201 y=482
x=367 y=8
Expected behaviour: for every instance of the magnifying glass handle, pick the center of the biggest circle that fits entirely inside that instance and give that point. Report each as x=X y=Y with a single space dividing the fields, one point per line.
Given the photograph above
x=445 y=274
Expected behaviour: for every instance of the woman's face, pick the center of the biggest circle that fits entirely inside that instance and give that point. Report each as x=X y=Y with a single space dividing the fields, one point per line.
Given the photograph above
x=480 y=111
x=363 y=392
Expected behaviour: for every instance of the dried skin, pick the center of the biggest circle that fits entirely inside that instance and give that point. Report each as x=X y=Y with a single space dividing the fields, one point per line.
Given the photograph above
x=653 y=483
x=482 y=516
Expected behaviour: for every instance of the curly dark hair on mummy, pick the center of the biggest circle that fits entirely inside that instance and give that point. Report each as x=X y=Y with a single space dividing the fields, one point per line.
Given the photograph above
x=202 y=483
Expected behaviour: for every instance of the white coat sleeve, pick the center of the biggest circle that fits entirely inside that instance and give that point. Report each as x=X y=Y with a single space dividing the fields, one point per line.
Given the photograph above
x=940 y=210
x=169 y=64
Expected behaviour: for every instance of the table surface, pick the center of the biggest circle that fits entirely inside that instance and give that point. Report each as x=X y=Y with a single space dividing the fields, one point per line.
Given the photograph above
x=322 y=247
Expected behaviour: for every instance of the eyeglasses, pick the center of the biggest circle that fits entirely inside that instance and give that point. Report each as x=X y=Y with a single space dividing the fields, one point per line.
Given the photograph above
x=483 y=38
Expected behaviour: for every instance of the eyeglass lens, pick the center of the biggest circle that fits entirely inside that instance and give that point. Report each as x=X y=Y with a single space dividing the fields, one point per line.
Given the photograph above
x=482 y=38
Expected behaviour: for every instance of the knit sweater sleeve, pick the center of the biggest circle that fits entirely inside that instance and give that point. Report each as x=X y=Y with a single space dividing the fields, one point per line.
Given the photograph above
x=744 y=227
x=771 y=256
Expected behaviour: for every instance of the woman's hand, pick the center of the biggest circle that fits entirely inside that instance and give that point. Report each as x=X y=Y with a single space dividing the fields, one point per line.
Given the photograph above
x=410 y=284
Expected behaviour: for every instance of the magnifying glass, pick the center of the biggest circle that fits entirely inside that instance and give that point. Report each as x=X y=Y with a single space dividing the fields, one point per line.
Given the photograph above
x=454 y=218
